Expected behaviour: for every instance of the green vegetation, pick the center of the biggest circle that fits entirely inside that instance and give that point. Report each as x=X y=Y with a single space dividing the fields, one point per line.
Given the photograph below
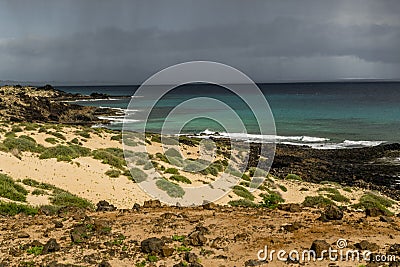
x=162 y=157
x=172 y=171
x=22 y=143
x=117 y=137
x=39 y=185
x=180 y=178
x=334 y=194
x=84 y=134
x=65 y=153
x=179 y=238
x=172 y=152
x=172 y=189
x=113 y=173
x=257 y=172
x=138 y=175
x=183 y=248
x=348 y=189
x=272 y=200
x=65 y=198
x=283 y=188
x=9 y=189
x=39 y=192
x=16 y=129
x=243 y=192
x=317 y=201
x=292 y=176
x=152 y=258
x=176 y=161
x=12 y=209
x=58 y=135
x=51 y=140
x=372 y=200
x=75 y=141
x=242 y=203
x=30 y=126
x=110 y=156
x=36 y=250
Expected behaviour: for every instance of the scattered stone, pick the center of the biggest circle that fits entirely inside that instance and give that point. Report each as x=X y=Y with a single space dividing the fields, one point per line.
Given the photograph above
x=292 y=226
x=290 y=207
x=209 y=205
x=104 y=264
x=242 y=237
x=58 y=224
x=51 y=246
x=152 y=245
x=374 y=212
x=167 y=251
x=332 y=212
x=190 y=257
x=136 y=207
x=394 y=249
x=152 y=204
x=366 y=245
x=46 y=210
x=318 y=246
x=254 y=263
x=78 y=234
x=202 y=229
x=386 y=219
x=197 y=238
x=105 y=206
x=23 y=235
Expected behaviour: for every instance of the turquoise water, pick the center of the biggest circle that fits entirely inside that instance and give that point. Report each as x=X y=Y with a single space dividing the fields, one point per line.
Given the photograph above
x=343 y=113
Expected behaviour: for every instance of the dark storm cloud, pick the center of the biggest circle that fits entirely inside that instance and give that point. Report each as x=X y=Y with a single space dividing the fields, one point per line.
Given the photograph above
x=126 y=41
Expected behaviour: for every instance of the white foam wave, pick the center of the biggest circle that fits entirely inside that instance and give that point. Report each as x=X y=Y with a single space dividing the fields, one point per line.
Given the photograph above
x=310 y=141
x=92 y=100
x=117 y=119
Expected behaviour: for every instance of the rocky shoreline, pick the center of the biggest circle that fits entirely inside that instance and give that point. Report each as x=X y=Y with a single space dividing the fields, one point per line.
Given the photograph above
x=46 y=104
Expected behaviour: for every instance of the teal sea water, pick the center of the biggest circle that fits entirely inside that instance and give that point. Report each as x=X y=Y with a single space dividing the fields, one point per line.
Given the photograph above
x=322 y=115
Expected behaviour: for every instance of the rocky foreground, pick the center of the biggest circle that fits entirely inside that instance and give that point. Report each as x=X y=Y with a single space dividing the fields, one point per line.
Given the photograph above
x=212 y=235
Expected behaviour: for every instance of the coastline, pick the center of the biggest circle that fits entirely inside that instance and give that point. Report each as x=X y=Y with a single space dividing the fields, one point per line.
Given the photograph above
x=57 y=171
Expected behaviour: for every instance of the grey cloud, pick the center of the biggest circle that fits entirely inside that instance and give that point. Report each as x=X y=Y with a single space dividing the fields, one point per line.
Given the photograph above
x=127 y=41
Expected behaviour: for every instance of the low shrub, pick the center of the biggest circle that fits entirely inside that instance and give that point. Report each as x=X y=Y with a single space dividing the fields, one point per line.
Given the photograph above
x=51 y=140
x=110 y=156
x=58 y=135
x=12 y=209
x=242 y=203
x=292 y=176
x=257 y=172
x=243 y=192
x=272 y=200
x=180 y=178
x=138 y=175
x=172 y=171
x=113 y=173
x=65 y=153
x=10 y=190
x=172 y=189
x=67 y=199
x=172 y=152
x=16 y=129
x=39 y=192
x=84 y=134
x=162 y=157
x=316 y=201
x=22 y=143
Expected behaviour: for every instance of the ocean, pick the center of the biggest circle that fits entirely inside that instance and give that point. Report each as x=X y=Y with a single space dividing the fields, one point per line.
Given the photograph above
x=325 y=115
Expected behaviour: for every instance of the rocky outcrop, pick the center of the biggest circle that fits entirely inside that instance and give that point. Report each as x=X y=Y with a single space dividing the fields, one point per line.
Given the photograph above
x=46 y=104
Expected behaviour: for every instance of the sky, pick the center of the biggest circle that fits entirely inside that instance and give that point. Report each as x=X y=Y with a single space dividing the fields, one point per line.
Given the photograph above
x=125 y=42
